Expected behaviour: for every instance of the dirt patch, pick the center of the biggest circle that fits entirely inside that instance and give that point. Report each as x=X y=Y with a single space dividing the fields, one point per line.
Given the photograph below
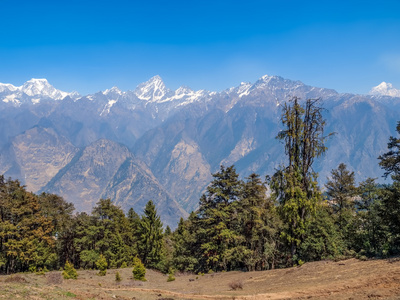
x=350 y=279
x=15 y=279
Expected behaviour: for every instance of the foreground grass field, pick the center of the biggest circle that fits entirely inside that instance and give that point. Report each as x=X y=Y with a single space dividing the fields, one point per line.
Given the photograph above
x=349 y=279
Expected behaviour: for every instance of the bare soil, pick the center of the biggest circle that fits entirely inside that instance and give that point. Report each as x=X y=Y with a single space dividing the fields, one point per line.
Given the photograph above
x=349 y=279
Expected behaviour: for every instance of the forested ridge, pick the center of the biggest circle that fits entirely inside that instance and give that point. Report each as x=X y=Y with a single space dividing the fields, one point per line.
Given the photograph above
x=257 y=223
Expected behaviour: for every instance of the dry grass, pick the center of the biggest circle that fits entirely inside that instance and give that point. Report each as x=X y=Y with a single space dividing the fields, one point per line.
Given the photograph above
x=54 y=278
x=15 y=279
x=318 y=280
x=236 y=285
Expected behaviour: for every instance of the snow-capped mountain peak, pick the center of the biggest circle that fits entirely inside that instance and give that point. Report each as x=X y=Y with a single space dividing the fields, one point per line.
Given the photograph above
x=244 y=89
x=183 y=90
x=152 y=90
x=114 y=90
x=7 y=87
x=41 y=87
x=32 y=91
x=36 y=87
x=385 y=89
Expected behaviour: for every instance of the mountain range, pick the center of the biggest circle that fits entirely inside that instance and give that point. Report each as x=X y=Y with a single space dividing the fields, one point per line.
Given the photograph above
x=161 y=144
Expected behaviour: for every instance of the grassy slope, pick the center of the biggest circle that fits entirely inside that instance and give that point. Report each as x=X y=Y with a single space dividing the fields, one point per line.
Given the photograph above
x=350 y=279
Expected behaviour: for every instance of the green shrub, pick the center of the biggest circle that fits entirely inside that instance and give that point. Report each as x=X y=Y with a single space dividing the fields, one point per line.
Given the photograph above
x=69 y=271
x=117 y=277
x=101 y=264
x=171 y=275
x=139 y=271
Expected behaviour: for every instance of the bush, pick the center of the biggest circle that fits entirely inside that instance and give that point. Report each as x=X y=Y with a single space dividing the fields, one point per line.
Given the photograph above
x=171 y=275
x=101 y=264
x=69 y=271
x=139 y=271
x=236 y=285
x=117 y=277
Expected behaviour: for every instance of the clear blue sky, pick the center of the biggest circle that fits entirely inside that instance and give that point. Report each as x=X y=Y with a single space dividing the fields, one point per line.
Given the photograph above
x=93 y=45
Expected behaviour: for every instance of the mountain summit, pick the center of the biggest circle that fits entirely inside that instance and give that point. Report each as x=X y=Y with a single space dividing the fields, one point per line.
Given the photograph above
x=32 y=91
x=152 y=90
x=385 y=89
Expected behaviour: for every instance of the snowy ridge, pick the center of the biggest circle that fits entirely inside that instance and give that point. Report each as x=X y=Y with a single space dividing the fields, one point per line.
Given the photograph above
x=385 y=89
x=114 y=90
x=32 y=91
x=244 y=89
x=152 y=90
x=155 y=92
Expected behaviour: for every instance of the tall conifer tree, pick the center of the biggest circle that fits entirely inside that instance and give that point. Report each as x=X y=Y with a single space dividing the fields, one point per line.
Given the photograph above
x=150 y=239
x=294 y=185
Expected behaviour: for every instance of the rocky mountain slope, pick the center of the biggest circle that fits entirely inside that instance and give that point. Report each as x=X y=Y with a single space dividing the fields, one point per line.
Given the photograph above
x=156 y=143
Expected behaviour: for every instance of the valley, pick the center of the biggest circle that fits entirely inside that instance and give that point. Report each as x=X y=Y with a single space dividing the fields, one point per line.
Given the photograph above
x=153 y=143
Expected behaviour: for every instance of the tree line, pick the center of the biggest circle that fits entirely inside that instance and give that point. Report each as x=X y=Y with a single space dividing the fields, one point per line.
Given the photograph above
x=253 y=224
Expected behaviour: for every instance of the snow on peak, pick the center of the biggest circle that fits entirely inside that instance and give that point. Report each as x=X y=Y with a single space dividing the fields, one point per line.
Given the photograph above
x=7 y=87
x=41 y=87
x=152 y=90
x=183 y=90
x=244 y=89
x=113 y=90
x=35 y=89
x=385 y=89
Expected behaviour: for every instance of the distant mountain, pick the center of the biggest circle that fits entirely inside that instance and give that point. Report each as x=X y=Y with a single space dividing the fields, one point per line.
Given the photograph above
x=161 y=144
x=32 y=91
x=385 y=89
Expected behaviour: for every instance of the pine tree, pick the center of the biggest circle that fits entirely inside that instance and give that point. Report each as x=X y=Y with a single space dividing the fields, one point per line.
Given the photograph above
x=26 y=240
x=185 y=246
x=390 y=161
x=138 y=271
x=294 y=185
x=216 y=221
x=118 y=277
x=341 y=189
x=388 y=209
x=69 y=271
x=150 y=239
x=101 y=265
x=258 y=224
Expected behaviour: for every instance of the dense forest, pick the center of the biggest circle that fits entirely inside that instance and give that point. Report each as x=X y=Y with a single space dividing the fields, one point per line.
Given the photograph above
x=257 y=223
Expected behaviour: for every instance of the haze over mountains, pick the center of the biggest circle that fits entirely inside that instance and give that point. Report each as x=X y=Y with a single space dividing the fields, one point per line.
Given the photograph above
x=161 y=144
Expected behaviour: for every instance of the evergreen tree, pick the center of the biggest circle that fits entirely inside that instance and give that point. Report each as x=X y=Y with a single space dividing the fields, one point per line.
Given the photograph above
x=101 y=265
x=294 y=185
x=69 y=271
x=115 y=235
x=138 y=271
x=258 y=224
x=150 y=239
x=390 y=161
x=388 y=209
x=341 y=191
x=323 y=240
x=185 y=246
x=26 y=240
x=217 y=220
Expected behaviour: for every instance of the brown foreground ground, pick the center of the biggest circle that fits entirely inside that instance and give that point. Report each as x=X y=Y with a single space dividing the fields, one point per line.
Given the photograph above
x=349 y=279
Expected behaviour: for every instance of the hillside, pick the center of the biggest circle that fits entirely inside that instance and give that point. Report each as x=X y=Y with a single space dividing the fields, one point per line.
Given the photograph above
x=349 y=279
x=167 y=143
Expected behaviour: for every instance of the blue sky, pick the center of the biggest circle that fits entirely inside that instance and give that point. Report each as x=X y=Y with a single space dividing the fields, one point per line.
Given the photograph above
x=89 y=46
